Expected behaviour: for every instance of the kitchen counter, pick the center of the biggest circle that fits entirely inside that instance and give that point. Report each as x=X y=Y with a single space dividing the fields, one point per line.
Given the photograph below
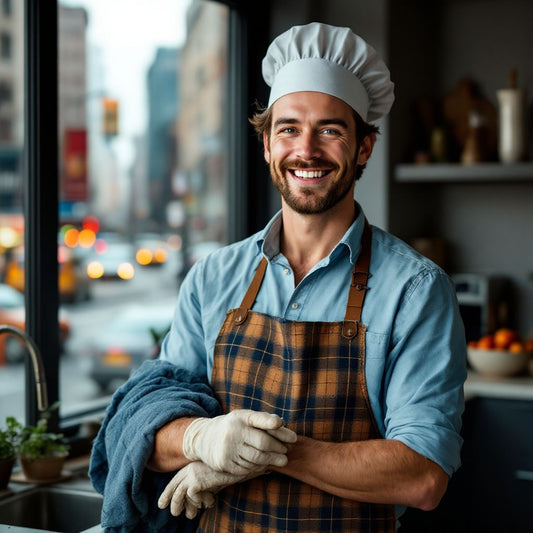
x=512 y=388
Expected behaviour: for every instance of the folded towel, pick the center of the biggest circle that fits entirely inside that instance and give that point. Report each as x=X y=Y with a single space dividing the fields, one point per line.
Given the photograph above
x=157 y=393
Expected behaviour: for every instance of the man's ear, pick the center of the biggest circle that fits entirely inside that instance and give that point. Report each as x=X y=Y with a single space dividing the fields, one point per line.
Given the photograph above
x=266 y=149
x=365 y=149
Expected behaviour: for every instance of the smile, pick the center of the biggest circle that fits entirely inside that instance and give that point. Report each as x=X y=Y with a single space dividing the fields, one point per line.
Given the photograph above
x=310 y=174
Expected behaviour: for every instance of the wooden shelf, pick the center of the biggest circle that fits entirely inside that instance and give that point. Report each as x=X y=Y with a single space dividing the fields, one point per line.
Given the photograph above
x=456 y=172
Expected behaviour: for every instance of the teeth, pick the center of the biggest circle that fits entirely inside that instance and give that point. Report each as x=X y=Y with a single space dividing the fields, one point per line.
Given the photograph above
x=308 y=174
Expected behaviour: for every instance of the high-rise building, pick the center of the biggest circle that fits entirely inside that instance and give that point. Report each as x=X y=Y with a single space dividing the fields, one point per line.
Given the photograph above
x=72 y=106
x=11 y=103
x=202 y=158
x=163 y=99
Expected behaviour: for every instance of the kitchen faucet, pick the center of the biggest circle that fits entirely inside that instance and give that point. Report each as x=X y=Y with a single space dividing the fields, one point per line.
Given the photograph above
x=37 y=362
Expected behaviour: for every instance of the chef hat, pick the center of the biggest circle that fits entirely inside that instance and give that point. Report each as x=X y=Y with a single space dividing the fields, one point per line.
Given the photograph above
x=332 y=60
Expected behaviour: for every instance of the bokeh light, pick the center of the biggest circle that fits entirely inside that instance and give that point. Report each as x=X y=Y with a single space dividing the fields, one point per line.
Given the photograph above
x=175 y=242
x=160 y=255
x=100 y=246
x=143 y=256
x=86 y=238
x=95 y=270
x=8 y=237
x=71 y=237
x=125 y=271
x=92 y=223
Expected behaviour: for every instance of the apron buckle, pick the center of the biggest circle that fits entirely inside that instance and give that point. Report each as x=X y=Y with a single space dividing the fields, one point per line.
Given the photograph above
x=359 y=280
x=240 y=316
x=350 y=328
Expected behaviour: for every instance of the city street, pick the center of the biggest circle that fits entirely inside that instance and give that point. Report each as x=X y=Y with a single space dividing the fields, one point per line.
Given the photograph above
x=151 y=288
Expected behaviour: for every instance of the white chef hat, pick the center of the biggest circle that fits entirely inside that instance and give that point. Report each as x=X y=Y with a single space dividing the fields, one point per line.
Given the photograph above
x=332 y=60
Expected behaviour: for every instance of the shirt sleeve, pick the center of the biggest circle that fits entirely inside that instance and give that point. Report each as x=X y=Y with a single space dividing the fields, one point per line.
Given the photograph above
x=184 y=344
x=426 y=370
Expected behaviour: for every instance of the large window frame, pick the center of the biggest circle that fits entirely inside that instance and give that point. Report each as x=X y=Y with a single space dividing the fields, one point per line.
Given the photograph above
x=247 y=207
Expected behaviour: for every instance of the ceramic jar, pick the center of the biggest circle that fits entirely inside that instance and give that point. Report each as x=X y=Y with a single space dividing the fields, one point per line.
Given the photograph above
x=512 y=128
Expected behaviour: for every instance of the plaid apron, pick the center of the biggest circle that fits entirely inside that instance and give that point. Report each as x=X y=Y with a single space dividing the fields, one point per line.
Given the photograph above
x=312 y=374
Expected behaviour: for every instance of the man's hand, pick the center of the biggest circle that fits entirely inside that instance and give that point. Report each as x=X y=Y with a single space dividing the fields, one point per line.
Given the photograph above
x=194 y=487
x=240 y=442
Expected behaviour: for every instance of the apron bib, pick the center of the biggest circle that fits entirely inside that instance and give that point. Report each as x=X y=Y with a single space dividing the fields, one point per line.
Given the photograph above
x=312 y=374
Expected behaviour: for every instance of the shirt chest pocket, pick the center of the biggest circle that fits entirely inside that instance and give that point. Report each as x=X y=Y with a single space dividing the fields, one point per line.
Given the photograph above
x=376 y=345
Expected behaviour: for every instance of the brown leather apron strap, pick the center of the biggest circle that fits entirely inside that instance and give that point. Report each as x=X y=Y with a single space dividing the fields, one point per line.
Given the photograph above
x=251 y=294
x=358 y=287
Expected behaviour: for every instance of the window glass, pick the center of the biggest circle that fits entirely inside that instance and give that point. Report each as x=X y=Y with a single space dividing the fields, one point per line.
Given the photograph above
x=142 y=178
x=11 y=205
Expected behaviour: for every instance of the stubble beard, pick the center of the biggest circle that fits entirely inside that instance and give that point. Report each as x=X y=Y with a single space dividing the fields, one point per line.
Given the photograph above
x=311 y=203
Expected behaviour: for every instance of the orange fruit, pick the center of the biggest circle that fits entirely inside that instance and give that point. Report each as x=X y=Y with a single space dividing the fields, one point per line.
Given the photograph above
x=516 y=347
x=487 y=342
x=504 y=337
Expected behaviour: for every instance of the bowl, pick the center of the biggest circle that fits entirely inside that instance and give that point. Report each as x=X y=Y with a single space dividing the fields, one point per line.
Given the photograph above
x=498 y=363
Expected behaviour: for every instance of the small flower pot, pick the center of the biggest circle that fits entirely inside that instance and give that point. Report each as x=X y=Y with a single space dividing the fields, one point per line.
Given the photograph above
x=43 y=468
x=6 y=466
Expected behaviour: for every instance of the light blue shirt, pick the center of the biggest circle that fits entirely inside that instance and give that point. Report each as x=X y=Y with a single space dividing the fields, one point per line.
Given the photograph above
x=415 y=343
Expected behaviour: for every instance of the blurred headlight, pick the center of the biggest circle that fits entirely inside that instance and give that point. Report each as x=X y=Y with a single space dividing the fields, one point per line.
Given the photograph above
x=95 y=270
x=125 y=271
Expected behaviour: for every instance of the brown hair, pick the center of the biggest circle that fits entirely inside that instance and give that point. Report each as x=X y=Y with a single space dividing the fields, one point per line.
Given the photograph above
x=262 y=122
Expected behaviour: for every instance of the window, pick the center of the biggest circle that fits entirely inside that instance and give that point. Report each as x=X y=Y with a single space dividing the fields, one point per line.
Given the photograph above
x=142 y=189
x=142 y=184
x=11 y=200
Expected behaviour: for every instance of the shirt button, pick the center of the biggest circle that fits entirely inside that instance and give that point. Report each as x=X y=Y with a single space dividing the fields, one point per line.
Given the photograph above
x=295 y=305
x=286 y=271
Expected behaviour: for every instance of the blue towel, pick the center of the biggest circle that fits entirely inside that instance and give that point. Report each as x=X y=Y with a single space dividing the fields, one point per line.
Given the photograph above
x=157 y=393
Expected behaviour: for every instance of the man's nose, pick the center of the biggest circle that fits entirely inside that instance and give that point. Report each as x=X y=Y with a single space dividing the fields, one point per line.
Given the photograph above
x=308 y=146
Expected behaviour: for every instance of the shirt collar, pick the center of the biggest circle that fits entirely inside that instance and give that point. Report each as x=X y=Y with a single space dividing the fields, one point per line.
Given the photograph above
x=268 y=239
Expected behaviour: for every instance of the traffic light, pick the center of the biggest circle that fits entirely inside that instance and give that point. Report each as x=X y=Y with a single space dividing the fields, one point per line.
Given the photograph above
x=110 y=111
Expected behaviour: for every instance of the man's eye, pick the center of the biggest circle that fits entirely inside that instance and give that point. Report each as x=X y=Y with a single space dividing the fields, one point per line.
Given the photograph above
x=287 y=130
x=331 y=131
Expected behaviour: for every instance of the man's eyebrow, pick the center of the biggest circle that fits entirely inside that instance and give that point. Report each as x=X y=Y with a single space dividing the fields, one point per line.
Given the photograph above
x=284 y=120
x=322 y=122
x=334 y=122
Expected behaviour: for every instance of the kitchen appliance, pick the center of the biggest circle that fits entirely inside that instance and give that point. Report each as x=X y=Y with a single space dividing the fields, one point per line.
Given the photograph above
x=484 y=303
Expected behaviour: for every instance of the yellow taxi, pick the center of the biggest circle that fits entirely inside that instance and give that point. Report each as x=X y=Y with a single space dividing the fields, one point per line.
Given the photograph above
x=74 y=284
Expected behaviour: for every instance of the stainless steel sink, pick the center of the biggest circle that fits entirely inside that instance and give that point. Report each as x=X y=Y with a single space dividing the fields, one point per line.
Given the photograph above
x=63 y=510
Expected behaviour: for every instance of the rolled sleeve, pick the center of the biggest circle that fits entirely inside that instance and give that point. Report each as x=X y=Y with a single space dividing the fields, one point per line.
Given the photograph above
x=426 y=370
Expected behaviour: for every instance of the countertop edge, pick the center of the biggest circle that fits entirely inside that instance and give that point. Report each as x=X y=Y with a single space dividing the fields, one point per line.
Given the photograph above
x=512 y=388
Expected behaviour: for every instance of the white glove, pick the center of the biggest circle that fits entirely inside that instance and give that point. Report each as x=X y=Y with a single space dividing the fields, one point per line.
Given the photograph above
x=241 y=442
x=194 y=487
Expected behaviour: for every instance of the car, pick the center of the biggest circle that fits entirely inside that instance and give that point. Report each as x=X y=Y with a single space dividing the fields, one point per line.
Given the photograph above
x=12 y=313
x=132 y=338
x=151 y=250
x=73 y=281
x=115 y=263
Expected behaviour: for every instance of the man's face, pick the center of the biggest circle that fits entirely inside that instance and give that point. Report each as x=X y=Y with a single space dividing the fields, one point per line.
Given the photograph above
x=311 y=151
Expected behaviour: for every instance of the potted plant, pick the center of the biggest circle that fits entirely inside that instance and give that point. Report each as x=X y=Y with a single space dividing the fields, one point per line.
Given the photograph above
x=41 y=453
x=8 y=450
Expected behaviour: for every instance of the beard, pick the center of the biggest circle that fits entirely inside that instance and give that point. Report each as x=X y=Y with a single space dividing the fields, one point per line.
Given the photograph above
x=308 y=201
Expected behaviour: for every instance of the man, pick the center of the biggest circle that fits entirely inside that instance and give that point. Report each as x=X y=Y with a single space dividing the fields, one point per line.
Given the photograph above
x=336 y=352
x=373 y=392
